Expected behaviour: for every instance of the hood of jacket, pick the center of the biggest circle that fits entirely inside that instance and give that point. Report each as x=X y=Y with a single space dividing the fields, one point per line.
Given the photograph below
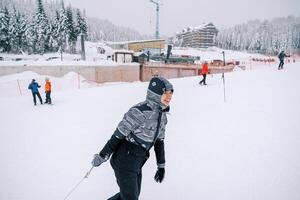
x=157 y=86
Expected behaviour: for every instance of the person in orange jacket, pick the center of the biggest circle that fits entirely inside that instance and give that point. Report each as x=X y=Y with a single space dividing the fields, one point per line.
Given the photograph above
x=48 y=90
x=204 y=72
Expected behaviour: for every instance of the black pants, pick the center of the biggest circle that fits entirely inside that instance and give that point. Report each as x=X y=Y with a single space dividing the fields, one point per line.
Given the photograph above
x=280 y=66
x=203 y=80
x=127 y=163
x=48 y=98
x=34 y=94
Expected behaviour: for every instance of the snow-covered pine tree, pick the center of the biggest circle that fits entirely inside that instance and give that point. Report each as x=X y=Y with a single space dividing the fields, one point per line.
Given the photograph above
x=71 y=30
x=62 y=29
x=15 y=31
x=55 y=33
x=31 y=39
x=4 y=30
x=296 y=34
x=81 y=25
x=23 y=27
x=268 y=37
x=41 y=27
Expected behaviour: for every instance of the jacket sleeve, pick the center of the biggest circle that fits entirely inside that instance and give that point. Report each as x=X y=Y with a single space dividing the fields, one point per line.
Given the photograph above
x=159 y=148
x=29 y=87
x=112 y=144
x=131 y=121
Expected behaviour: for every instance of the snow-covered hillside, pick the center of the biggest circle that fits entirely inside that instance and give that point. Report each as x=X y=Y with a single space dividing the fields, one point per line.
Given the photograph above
x=243 y=149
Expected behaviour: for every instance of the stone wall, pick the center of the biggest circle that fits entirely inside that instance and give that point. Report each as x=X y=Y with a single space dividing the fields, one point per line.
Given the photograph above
x=148 y=70
x=99 y=74
x=117 y=73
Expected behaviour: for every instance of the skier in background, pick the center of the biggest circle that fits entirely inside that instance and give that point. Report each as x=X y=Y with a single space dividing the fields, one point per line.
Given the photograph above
x=204 y=72
x=142 y=127
x=33 y=86
x=281 y=57
x=48 y=90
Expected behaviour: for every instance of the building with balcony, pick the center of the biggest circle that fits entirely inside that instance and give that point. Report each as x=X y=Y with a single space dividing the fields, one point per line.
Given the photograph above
x=203 y=36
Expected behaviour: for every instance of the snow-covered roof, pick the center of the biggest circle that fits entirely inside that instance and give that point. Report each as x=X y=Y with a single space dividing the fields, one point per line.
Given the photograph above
x=137 y=54
x=200 y=27
x=135 y=41
x=123 y=51
x=105 y=47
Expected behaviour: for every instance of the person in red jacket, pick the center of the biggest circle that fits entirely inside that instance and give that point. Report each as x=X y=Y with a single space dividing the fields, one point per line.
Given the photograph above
x=204 y=72
x=48 y=90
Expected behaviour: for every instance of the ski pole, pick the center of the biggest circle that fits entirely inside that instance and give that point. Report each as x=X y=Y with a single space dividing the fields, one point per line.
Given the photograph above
x=223 y=77
x=74 y=188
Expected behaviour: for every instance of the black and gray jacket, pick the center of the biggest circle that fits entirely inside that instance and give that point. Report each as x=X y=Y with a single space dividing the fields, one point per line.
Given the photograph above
x=282 y=55
x=144 y=124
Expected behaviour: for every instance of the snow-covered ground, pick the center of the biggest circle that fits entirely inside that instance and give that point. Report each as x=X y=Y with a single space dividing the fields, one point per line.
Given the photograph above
x=94 y=58
x=214 y=53
x=246 y=148
x=17 y=84
x=56 y=58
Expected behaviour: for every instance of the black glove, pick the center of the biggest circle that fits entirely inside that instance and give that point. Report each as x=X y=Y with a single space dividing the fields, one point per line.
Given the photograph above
x=98 y=160
x=159 y=175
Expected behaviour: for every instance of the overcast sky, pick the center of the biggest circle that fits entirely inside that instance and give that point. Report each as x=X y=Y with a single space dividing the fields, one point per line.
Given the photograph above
x=178 y=14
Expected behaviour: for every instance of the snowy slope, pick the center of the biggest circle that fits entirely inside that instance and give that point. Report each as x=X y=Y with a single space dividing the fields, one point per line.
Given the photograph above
x=215 y=53
x=245 y=149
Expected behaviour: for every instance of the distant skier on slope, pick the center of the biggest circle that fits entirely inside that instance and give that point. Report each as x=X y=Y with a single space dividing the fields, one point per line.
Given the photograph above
x=48 y=90
x=33 y=86
x=204 y=72
x=142 y=127
x=281 y=57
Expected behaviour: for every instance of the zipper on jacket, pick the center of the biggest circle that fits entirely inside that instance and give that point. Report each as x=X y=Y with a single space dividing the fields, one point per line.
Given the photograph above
x=157 y=129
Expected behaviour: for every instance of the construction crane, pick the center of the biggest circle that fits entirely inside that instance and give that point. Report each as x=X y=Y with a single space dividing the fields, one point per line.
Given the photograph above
x=157 y=18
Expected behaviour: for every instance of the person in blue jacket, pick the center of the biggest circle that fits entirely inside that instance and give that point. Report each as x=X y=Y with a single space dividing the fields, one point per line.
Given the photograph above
x=33 y=86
